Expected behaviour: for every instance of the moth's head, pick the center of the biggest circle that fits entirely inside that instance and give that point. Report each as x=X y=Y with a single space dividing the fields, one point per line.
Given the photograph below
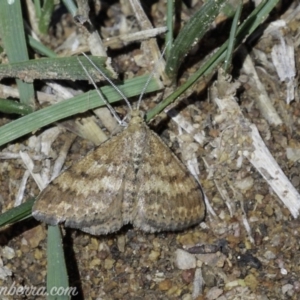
x=136 y=116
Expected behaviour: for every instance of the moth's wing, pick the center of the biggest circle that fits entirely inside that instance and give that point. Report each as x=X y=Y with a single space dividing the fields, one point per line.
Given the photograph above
x=89 y=194
x=168 y=196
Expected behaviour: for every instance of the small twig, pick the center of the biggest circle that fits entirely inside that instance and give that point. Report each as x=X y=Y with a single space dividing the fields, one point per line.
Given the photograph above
x=149 y=47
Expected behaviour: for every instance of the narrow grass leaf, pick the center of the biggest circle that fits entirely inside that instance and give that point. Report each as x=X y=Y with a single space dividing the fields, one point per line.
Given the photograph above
x=13 y=107
x=57 y=277
x=16 y=214
x=71 y=7
x=65 y=68
x=39 y=47
x=232 y=36
x=45 y=16
x=70 y=107
x=258 y=15
x=169 y=35
x=13 y=39
x=191 y=33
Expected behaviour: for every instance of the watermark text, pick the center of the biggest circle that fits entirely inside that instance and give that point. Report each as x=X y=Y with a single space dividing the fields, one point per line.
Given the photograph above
x=29 y=290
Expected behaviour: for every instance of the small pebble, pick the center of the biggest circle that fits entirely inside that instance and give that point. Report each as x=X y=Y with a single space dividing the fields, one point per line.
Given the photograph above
x=269 y=255
x=38 y=254
x=213 y=293
x=95 y=262
x=286 y=288
x=245 y=183
x=109 y=263
x=8 y=252
x=154 y=255
x=184 y=260
x=187 y=297
x=251 y=281
x=34 y=236
x=165 y=285
x=188 y=275
x=121 y=241
x=269 y=210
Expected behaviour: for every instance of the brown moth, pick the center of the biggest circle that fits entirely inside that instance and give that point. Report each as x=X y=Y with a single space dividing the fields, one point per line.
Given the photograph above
x=131 y=178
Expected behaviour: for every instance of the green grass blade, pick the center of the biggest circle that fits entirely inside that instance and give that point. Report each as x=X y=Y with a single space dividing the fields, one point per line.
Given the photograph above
x=71 y=7
x=169 y=35
x=258 y=15
x=13 y=39
x=45 y=16
x=231 y=41
x=55 y=68
x=39 y=47
x=21 y=212
x=57 y=277
x=38 y=8
x=192 y=32
x=13 y=107
x=70 y=107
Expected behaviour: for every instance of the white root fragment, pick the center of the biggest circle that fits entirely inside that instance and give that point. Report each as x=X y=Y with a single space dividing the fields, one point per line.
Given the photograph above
x=189 y=156
x=264 y=102
x=266 y=165
x=5 y=155
x=135 y=36
x=106 y=119
x=186 y=125
x=283 y=58
x=246 y=223
x=30 y=167
x=94 y=40
x=46 y=140
x=198 y=284
x=88 y=129
x=258 y=154
x=62 y=92
x=149 y=47
x=62 y=156
x=225 y=196
x=21 y=189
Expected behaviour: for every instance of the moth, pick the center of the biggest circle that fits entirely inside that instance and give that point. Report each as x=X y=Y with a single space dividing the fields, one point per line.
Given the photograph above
x=131 y=178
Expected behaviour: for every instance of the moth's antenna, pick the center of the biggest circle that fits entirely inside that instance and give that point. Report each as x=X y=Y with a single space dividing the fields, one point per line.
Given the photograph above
x=112 y=84
x=151 y=76
x=111 y=109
